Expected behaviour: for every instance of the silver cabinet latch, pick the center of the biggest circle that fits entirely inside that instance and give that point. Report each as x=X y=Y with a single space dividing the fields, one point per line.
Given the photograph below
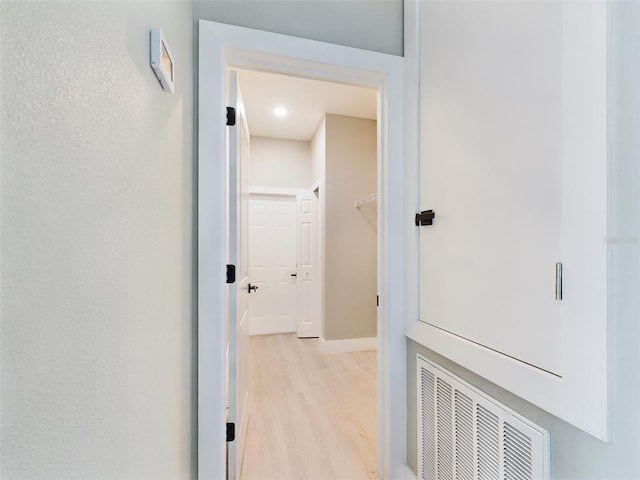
x=558 y=281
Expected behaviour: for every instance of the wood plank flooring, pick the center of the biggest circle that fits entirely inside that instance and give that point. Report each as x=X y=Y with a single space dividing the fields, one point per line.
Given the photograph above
x=312 y=416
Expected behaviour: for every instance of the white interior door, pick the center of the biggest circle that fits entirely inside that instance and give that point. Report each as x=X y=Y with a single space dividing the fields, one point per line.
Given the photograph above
x=238 y=328
x=273 y=264
x=308 y=291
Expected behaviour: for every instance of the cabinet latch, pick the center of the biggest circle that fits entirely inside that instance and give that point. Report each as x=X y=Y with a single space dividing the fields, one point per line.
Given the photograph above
x=425 y=217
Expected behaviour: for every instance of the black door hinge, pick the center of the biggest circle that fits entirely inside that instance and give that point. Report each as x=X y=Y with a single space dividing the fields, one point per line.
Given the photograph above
x=377 y=300
x=231 y=116
x=231 y=274
x=425 y=217
x=231 y=432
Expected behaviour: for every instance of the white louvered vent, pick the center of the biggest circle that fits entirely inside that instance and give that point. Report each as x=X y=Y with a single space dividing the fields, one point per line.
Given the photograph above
x=466 y=435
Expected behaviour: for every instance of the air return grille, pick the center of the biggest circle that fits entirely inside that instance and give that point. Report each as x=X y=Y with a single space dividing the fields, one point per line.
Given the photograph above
x=466 y=435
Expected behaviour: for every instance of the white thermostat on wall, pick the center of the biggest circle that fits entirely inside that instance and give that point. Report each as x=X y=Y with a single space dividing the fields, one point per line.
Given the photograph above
x=162 y=60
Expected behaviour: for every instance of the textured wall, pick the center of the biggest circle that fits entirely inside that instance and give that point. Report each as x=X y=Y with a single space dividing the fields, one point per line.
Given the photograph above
x=276 y=162
x=350 y=255
x=368 y=24
x=96 y=243
x=576 y=455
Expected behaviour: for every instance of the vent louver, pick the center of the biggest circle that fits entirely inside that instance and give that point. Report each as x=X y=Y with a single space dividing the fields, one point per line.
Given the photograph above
x=466 y=435
x=428 y=424
x=517 y=454
x=444 y=433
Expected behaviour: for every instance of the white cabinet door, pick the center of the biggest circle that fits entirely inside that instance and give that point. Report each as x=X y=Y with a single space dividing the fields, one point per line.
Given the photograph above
x=513 y=151
x=492 y=172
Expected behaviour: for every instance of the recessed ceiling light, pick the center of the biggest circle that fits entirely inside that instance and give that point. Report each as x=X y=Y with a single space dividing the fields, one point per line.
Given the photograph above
x=280 y=112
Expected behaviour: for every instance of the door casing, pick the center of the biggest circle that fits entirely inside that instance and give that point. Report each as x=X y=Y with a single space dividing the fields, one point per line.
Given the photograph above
x=309 y=286
x=223 y=46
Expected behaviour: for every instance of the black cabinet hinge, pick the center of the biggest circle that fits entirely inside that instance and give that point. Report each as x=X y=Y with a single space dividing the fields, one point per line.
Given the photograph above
x=425 y=217
x=231 y=116
x=231 y=432
x=231 y=274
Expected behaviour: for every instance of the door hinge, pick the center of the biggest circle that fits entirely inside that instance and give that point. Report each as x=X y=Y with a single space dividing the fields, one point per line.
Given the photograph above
x=231 y=274
x=231 y=116
x=425 y=217
x=231 y=432
x=377 y=300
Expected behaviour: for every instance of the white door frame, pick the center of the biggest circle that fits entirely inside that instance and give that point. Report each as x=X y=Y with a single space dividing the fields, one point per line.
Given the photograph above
x=222 y=46
x=308 y=310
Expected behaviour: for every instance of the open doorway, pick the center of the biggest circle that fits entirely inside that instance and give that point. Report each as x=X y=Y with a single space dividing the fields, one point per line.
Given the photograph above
x=312 y=255
x=225 y=46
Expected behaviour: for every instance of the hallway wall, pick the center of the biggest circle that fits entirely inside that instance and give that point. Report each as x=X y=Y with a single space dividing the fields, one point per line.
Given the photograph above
x=369 y=24
x=318 y=152
x=97 y=255
x=279 y=163
x=350 y=244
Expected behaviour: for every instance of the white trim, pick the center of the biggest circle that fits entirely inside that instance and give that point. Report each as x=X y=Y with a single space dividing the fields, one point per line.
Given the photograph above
x=222 y=46
x=308 y=274
x=348 y=345
x=212 y=257
x=242 y=429
x=318 y=186
x=412 y=149
x=276 y=326
x=405 y=473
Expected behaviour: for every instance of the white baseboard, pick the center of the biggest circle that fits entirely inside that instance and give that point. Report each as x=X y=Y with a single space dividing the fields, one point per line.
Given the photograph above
x=348 y=345
x=269 y=331
x=406 y=473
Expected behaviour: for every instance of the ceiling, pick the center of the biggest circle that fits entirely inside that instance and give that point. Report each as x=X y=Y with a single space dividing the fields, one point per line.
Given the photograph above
x=306 y=101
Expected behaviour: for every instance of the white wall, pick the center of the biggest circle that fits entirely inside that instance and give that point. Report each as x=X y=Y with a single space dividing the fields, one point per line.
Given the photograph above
x=350 y=244
x=318 y=153
x=575 y=454
x=279 y=163
x=97 y=257
x=367 y=24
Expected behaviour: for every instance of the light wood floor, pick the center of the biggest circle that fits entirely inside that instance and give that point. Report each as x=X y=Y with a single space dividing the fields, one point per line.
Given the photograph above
x=312 y=416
